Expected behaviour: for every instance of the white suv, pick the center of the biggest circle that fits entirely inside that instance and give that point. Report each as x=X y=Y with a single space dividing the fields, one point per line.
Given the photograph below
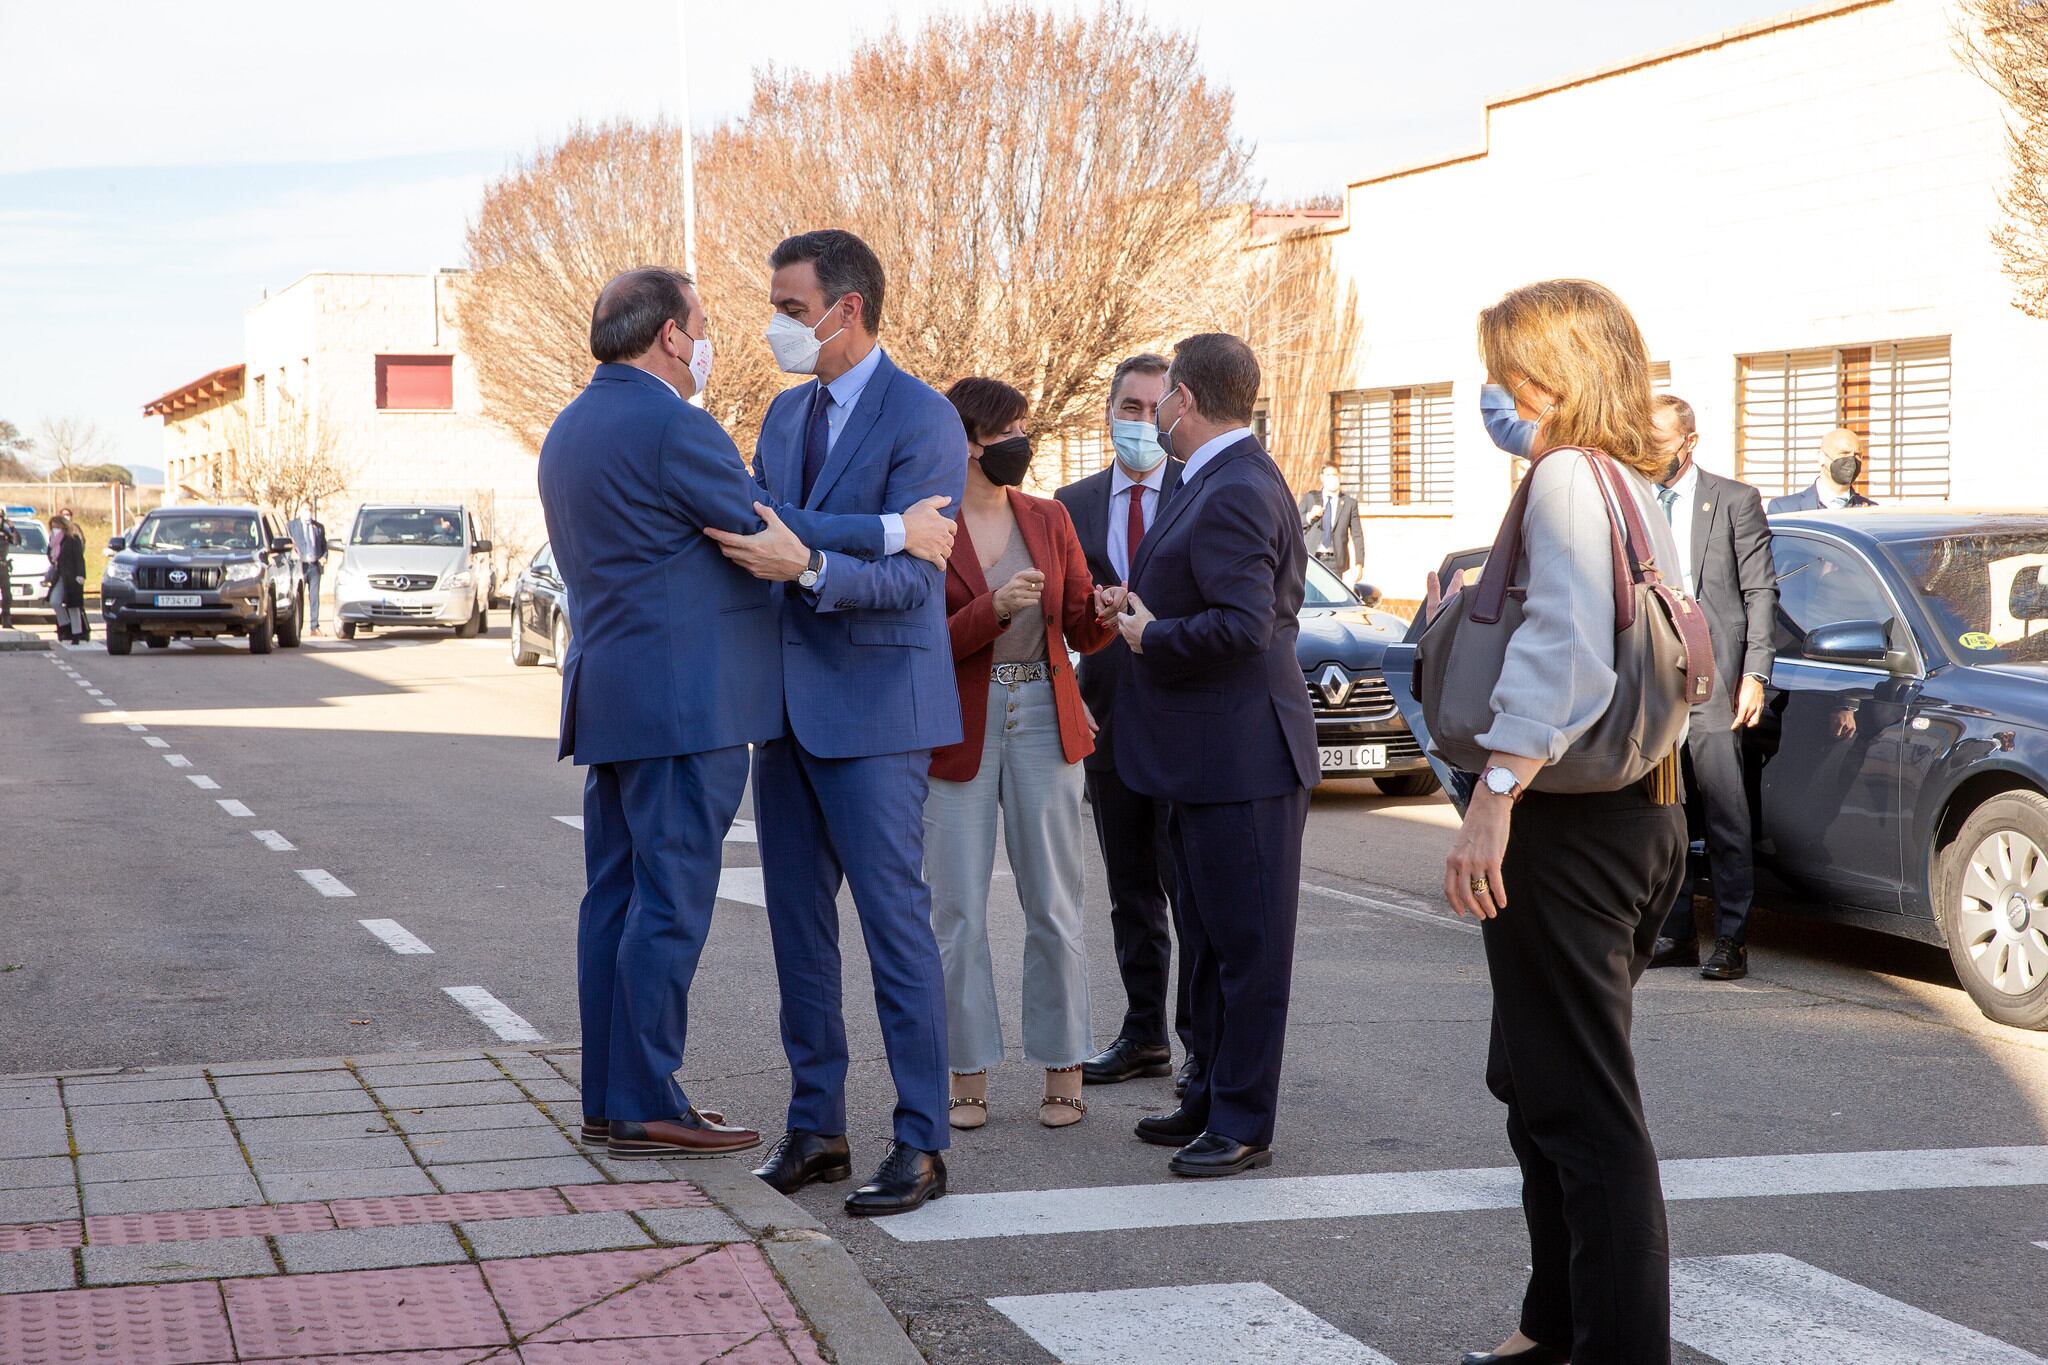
x=408 y=564
x=30 y=560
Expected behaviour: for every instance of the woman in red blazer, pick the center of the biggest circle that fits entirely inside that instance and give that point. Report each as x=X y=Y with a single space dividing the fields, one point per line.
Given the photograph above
x=1017 y=599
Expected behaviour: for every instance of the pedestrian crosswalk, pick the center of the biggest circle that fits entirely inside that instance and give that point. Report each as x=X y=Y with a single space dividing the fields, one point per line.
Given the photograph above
x=1199 y=1324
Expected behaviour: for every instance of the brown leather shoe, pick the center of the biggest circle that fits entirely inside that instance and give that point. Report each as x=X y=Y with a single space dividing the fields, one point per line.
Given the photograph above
x=691 y=1135
x=597 y=1132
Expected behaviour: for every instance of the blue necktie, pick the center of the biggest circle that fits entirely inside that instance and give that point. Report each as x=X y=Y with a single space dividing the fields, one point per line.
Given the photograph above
x=817 y=439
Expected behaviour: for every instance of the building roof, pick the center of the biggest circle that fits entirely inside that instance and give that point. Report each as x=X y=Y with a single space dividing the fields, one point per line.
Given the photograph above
x=223 y=384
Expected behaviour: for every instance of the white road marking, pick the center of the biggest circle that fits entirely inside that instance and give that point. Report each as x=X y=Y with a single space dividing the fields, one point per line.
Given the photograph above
x=494 y=1014
x=236 y=809
x=1405 y=908
x=155 y=743
x=108 y=701
x=742 y=884
x=394 y=935
x=1774 y=1310
x=572 y=821
x=742 y=832
x=1207 y=1324
x=138 y=729
x=94 y=692
x=82 y=682
x=178 y=760
x=1115 y=1207
x=273 y=841
x=323 y=881
x=205 y=784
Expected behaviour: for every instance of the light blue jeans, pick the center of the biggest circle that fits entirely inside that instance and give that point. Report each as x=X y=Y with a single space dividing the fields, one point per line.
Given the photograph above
x=1025 y=776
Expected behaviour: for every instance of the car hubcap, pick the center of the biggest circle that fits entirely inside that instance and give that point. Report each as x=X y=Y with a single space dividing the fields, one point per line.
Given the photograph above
x=2000 y=912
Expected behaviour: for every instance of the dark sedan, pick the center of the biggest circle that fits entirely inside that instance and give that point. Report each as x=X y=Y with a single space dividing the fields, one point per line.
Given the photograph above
x=1359 y=729
x=540 y=613
x=1902 y=763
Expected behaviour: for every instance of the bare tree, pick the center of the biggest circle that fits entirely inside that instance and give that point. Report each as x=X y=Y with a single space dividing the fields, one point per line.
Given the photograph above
x=1300 y=317
x=2006 y=43
x=286 y=464
x=1045 y=191
x=70 y=444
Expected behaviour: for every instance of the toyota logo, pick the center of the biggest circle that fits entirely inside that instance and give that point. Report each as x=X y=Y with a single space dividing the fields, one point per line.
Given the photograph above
x=179 y=576
x=1336 y=685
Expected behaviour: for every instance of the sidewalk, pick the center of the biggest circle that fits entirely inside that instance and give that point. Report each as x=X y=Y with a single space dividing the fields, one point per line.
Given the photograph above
x=14 y=638
x=405 y=1209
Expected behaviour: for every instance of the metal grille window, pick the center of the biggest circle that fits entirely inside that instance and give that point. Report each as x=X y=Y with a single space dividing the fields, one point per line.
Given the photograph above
x=1080 y=456
x=1894 y=394
x=1394 y=444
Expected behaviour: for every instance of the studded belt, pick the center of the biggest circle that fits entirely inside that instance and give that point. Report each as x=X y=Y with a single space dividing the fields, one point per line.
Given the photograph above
x=1009 y=675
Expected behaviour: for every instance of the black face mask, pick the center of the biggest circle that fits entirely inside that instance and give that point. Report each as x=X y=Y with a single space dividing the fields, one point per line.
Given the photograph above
x=1843 y=469
x=1004 y=462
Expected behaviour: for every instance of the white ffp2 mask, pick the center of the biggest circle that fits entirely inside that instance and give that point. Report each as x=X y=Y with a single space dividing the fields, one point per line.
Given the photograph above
x=795 y=346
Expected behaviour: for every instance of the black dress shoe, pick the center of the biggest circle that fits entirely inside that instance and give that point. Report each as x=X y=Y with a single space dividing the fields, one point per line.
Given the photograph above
x=1728 y=962
x=1538 y=1354
x=908 y=1176
x=802 y=1158
x=1125 y=1059
x=1674 y=952
x=1188 y=1068
x=1176 y=1129
x=1213 y=1154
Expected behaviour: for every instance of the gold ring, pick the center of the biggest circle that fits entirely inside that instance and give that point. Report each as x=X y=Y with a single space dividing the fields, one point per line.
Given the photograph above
x=1480 y=886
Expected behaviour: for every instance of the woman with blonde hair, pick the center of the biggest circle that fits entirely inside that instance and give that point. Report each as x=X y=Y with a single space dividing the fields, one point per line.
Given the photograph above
x=1569 y=888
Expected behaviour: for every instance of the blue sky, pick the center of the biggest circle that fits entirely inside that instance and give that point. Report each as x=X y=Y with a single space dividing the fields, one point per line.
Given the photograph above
x=160 y=167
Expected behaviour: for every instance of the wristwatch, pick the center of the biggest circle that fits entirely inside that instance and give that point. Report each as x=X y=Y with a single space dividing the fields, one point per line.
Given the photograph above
x=808 y=579
x=1502 y=782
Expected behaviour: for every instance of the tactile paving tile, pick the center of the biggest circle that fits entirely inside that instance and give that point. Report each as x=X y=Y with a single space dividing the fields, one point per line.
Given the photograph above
x=401 y=1209
x=663 y=1194
x=725 y=1348
x=465 y=1355
x=199 y=1225
x=155 y=1324
x=363 y=1311
x=683 y=1290
x=68 y=1232
x=767 y=1290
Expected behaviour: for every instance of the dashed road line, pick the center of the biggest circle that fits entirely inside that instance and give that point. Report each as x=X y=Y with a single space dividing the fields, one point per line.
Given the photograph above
x=204 y=783
x=572 y=821
x=742 y=884
x=493 y=1013
x=323 y=881
x=138 y=729
x=107 y=701
x=177 y=760
x=274 y=841
x=235 y=808
x=395 y=936
x=155 y=743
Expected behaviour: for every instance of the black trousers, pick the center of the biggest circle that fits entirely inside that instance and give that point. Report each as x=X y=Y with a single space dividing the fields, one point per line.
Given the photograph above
x=6 y=588
x=1144 y=908
x=1588 y=878
x=1239 y=864
x=1715 y=783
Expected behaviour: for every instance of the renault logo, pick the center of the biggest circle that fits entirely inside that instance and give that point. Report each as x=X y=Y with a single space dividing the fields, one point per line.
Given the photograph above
x=1336 y=685
x=179 y=576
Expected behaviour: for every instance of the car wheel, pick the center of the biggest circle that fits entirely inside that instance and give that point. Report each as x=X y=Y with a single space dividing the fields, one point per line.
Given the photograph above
x=157 y=641
x=1408 y=784
x=292 y=627
x=561 y=641
x=348 y=630
x=469 y=629
x=264 y=636
x=119 y=641
x=522 y=657
x=1993 y=908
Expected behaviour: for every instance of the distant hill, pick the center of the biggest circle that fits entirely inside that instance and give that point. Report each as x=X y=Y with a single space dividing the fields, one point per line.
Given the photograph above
x=146 y=473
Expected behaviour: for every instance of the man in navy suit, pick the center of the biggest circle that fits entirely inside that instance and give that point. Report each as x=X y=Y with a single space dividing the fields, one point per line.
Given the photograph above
x=675 y=671
x=869 y=692
x=1834 y=484
x=1211 y=716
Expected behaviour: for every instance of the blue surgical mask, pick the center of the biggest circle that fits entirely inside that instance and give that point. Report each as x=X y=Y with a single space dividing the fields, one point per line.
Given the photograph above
x=1165 y=433
x=1137 y=444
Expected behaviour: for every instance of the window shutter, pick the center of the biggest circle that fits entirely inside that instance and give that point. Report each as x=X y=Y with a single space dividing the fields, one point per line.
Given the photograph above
x=1893 y=393
x=416 y=381
x=1394 y=445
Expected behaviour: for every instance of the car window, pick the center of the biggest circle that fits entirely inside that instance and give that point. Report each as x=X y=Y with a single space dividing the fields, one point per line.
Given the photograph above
x=1325 y=589
x=195 y=531
x=408 y=526
x=544 y=559
x=32 y=539
x=1822 y=585
x=1986 y=594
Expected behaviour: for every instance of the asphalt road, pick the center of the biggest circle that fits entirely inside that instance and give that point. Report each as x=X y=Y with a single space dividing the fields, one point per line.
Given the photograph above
x=141 y=922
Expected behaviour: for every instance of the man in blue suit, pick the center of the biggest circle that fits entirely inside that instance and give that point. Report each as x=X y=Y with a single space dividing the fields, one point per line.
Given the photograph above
x=869 y=691
x=675 y=671
x=1212 y=716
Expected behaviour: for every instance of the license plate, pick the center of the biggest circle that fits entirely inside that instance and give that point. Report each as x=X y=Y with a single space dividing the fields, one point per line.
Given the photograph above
x=1353 y=758
x=177 y=599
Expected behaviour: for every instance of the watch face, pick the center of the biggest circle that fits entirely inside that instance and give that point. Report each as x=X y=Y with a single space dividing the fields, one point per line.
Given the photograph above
x=1499 y=781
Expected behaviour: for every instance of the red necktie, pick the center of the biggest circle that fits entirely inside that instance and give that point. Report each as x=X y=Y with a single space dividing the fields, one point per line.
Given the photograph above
x=1134 y=528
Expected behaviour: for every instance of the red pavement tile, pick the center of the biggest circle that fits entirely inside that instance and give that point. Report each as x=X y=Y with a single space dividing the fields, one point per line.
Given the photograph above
x=195 y=1225
x=157 y=1324
x=467 y=1355
x=760 y=1280
x=655 y=1194
x=398 y=1210
x=426 y=1307
x=41 y=1236
x=685 y=1290
x=723 y=1347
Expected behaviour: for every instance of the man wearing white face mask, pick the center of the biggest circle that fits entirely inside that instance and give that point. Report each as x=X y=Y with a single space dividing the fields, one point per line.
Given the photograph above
x=1111 y=511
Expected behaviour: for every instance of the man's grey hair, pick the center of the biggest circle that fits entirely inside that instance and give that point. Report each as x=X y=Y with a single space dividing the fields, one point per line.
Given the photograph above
x=1144 y=362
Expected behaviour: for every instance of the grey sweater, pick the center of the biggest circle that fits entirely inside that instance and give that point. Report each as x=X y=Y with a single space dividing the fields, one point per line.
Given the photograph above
x=1558 y=676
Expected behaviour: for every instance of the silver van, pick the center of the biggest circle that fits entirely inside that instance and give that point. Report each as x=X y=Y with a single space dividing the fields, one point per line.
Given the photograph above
x=409 y=564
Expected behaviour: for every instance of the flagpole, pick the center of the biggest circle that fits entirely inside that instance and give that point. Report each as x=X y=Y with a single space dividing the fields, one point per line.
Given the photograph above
x=688 y=169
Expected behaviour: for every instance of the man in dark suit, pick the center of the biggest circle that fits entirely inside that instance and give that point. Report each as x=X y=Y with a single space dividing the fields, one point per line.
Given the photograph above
x=1211 y=716
x=1724 y=545
x=1330 y=521
x=674 y=673
x=869 y=692
x=1112 y=510
x=1841 y=465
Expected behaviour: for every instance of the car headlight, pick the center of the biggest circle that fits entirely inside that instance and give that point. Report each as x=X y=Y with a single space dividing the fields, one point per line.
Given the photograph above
x=119 y=572
x=457 y=579
x=244 y=573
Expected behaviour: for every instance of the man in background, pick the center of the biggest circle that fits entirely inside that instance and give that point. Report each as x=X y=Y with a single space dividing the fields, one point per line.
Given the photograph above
x=1834 y=486
x=310 y=537
x=1329 y=518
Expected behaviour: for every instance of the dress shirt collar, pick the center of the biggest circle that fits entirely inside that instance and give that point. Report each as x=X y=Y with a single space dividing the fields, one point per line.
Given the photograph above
x=1120 y=479
x=666 y=385
x=1687 y=482
x=847 y=388
x=1210 y=449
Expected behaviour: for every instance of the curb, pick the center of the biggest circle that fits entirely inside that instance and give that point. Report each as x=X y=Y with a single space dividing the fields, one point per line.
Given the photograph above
x=851 y=1321
x=20 y=642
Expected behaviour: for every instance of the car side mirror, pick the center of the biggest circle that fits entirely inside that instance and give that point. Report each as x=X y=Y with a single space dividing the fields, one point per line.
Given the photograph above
x=116 y=544
x=280 y=545
x=482 y=547
x=1865 y=643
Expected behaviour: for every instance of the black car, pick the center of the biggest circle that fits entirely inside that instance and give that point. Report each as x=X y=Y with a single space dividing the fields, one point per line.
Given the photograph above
x=540 y=613
x=1359 y=729
x=202 y=572
x=1902 y=762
